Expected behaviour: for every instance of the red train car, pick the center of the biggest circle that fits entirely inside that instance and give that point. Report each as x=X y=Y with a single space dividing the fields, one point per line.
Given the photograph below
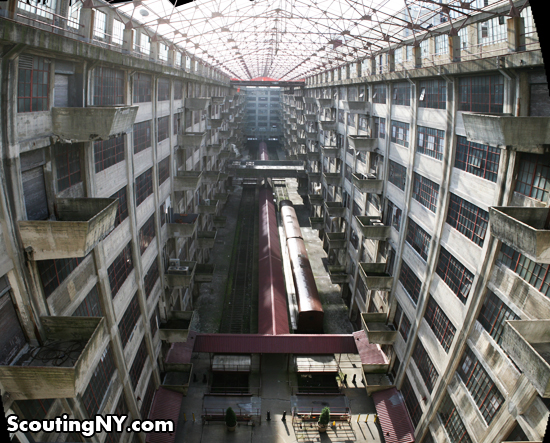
x=272 y=301
x=263 y=151
x=310 y=308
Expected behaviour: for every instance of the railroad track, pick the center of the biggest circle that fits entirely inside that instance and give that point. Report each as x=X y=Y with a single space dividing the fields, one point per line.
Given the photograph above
x=279 y=190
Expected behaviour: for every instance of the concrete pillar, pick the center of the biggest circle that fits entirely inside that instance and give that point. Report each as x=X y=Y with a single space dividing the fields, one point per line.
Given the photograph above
x=454 y=48
x=373 y=65
x=128 y=40
x=391 y=60
x=154 y=54
x=171 y=57
x=417 y=56
x=87 y=22
x=348 y=72
x=516 y=34
x=358 y=69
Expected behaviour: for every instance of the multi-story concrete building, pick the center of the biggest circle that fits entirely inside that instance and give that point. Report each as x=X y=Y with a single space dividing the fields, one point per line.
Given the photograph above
x=263 y=109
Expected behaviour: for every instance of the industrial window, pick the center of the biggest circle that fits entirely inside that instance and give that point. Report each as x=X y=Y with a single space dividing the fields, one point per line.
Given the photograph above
x=73 y=16
x=34 y=409
x=108 y=152
x=400 y=133
x=138 y=364
x=164 y=170
x=441 y=44
x=425 y=192
x=402 y=94
x=33 y=85
x=468 y=219
x=178 y=90
x=418 y=239
x=351 y=119
x=163 y=128
x=374 y=199
x=379 y=127
x=379 y=93
x=363 y=122
x=122 y=210
x=120 y=269
x=425 y=48
x=129 y=320
x=477 y=159
x=411 y=283
x=425 y=366
x=142 y=136
x=398 y=55
x=397 y=316
x=405 y=327
x=493 y=314
x=151 y=277
x=393 y=215
x=147 y=234
x=67 y=165
x=433 y=94
x=535 y=274
x=162 y=214
x=534 y=176
x=163 y=53
x=397 y=175
x=100 y=24
x=54 y=272
x=145 y=44
x=163 y=89
x=411 y=401
x=108 y=87
x=486 y=395
x=154 y=321
x=454 y=274
x=147 y=398
x=142 y=88
x=481 y=94
x=451 y=421
x=430 y=142
x=354 y=239
x=90 y=306
x=492 y=31
x=144 y=186
x=118 y=32
x=98 y=384
x=440 y=324
x=341 y=116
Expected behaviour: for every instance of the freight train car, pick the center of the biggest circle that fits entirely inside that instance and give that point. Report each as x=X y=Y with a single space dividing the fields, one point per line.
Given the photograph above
x=263 y=155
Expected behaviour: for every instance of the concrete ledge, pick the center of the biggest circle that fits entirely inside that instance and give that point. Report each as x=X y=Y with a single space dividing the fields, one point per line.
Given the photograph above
x=372 y=228
x=197 y=104
x=363 y=143
x=335 y=209
x=182 y=277
x=369 y=185
x=376 y=328
x=375 y=277
x=176 y=327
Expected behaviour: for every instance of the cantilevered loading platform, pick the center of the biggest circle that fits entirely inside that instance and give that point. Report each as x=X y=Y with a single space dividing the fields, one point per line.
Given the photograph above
x=268 y=169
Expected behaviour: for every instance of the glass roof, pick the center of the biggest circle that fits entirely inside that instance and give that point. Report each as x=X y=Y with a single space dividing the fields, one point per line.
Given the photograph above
x=290 y=39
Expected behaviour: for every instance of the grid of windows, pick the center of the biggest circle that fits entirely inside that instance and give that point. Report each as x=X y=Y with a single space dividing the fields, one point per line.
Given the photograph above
x=162 y=214
x=393 y=215
x=451 y=421
x=405 y=327
x=100 y=24
x=90 y=306
x=138 y=364
x=142 y=136
x=425 y=366
x=425 y=192
x=108 y=152
x=147 y=234
x=379 y=93
x=441 y=326
x=108 y=87
x=34 y=409
x=400 y=133
x=154 y=321
x=163 y=89
x=411 y=283
x=397 y=175
x=118 y=33
x=142 y=88
x=402 y=94
x=147 y=398
x=534 y=176
x=480 y=160
x=454 y=274
x=54 y=272
x=481 y=94
x=129 y=320
x=430 y=142
x=418 y=239
x=178 y=90
x=433 y=94
x=151 y=277
x=441 y=44
x=98 y=384
x=379 y=127
x=164 y=170
x=120 y=269
x=486 y=395
x=144 y=186
x=122 y=209
x=67 y=164
x=163 y=128
x=411 y=401
x=468 y=219
x=493 y=314
x=33 y=85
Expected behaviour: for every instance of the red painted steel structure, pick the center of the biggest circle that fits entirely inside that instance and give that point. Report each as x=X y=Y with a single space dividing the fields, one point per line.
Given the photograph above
x=166 y=406
x=272 y=299
x=310 y=309
x=263 y=151
x=393 y=416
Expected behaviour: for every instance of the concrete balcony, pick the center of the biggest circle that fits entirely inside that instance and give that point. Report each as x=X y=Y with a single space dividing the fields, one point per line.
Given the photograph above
x=176 y=327
x=197 y=104
x=524 y=134
x=225 y=114
x=310 y=116
x=314 y=156
x=39 y=373
x=367 y=184
x=314 y=177
x=180 y=276
x=292 y=157
x=177 y=377
x=316 y=199
x=221 y=177
x=226 y=133
x=216 y=123
x=187 y=180
x=191 y=139
x=375 y=277
x=317 y=222
x=301 y=140
x=219 y=221
x=208 y=207
x=182 y=225
x=311 y=135
x=376 y=382
x=527 y=342
x=293 y=119
x=218 y=100
x=376 y=327
x=355 y=107
x=206 y=239
x=301 y=157
x=524 y=229
x=331 y=152
x=325 y=102
x=210 y=177
x=213 y=149
x=81 y=223
x=372 y=227
x=328 y=125
x=335 y=209
x=338 y=275
x=225 y=154
x=309 y=100
x=332 y=178
x=72 y=125
x=204 y=273
x=336 y=240
x=363 y=143
x=221 y=196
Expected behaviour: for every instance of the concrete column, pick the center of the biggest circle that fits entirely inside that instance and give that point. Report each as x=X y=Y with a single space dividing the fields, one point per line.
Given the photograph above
x=128 y=40
x=154 y=54
x=516 y=34
x=358 y=69
x=417 y=56
x=87 y=22
x=373 y=65
x=454 y=48
x=171 y=57
x=391 y=60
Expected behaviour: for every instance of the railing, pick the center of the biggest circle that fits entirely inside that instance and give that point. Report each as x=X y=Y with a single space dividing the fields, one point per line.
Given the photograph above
x=316 y=390
x=235 y=390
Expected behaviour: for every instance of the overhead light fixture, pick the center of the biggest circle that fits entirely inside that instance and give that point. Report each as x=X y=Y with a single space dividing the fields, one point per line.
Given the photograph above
x=144 y=12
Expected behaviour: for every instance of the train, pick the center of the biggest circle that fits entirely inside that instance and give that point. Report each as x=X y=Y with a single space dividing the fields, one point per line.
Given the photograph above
x=310 y=309
x=263 y=151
